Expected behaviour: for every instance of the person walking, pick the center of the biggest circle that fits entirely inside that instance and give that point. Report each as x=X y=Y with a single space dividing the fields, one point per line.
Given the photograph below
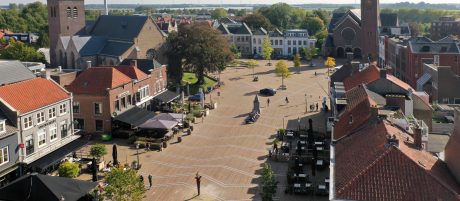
x=287 y=100
x=150 y=181
x=268 y=102
x=316 y=106
x=198 y=182
x=141 y=178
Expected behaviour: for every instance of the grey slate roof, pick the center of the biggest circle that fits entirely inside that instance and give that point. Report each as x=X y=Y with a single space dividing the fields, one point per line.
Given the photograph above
x=239 y=28
x=145 y=65
x=335 y=18
x=433 y=47
x=10 y=129
x=118 y=27
x=276 y=33
x=14 y=71
x=65 y=41
x=386 y=19
x=115 y=48
x=260 y=31
x=88 y=45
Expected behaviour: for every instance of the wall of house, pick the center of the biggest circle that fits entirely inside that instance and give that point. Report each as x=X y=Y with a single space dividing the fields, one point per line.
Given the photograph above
x=13 y=150
x=243 y=43
x=64 y=118
x=88 y=115
x=64 y=79
x=448 y=84
x=340 y=42
x=415 y=65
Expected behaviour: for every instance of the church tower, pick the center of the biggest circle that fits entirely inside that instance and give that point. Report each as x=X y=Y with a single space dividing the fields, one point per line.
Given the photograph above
x=370 y=22
x=65 y=18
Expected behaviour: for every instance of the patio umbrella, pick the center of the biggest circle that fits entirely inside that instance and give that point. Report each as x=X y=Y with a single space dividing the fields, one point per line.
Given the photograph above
x=115 y=155
x=158 y=124
x=94 y=169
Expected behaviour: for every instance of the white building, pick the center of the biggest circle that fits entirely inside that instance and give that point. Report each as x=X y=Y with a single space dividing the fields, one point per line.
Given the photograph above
x=284 y=44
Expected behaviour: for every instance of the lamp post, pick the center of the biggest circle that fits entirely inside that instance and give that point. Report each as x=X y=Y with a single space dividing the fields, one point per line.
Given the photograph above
x=137 y=151
x=298 y=123
x=306 y=104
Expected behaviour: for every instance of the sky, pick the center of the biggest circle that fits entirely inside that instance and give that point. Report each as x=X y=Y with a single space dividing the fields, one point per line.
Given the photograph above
x=5 y=2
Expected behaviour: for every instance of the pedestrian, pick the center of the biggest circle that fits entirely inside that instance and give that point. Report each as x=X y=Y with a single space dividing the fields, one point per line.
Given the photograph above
x=315 y=73
x=202 y=118
x=191 y=127
x=141 y=178
x=316 y=106
x=268 y=102
x=147 y=146
x=198 y=181
x=287 y=100
x=150 y=181
x=275 y=148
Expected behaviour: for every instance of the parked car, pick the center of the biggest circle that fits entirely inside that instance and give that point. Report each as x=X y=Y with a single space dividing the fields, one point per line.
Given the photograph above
x=268 y=92
x=195 y=97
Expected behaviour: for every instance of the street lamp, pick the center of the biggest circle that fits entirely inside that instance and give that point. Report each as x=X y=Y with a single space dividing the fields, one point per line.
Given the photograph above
x=137 y=151
x=298 y=123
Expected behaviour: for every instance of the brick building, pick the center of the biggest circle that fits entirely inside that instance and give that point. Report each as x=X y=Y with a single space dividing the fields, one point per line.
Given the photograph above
x=107 y=41
x=445 y=26
x=102 y=93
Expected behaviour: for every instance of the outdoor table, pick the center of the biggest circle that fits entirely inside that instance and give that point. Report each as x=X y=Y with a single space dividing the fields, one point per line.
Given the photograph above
x=290 y=134
x=302 y=175
x=285 y=154
x=300 y=164
x=296 y=185
x=326 y=180
x=322 y=187
x=308 y=185
x=303 y=142
x=319 y=148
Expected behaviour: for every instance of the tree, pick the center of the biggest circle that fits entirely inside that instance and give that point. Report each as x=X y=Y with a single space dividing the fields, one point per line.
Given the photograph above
x=267 y=49
x=235 y=51
x=320 y=37
x=282 y=70
x=98 y=151
x=22 y=52
x=123 y=185
x=297 y=62
x=68 y=169
x=330 y=62
x=252 y=64
x=257 y=20
x=219 y=13
x=310 y=53
x=174 y=55
x=313 y=25
x=196 y=45
x=43 y=40
x=269 y=183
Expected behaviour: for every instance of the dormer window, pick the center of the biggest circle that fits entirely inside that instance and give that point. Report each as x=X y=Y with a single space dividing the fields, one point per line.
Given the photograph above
x=2 y=125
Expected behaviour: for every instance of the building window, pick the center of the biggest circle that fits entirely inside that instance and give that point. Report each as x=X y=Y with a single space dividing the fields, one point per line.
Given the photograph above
x=64 y=129
x=305 y=42
x=281 y=42
x=69 y=12
x=276 y=42
x=97 y=108
x=4 y=158
x=129 y=100
x=74 y=12
x=28 y=122
x=41 y=137
x=79 y=123
x=289 y=42
x=351 y=119
x=76 y=107
x=53 y=132
x=117 y=105
x=29 y=145
x=99 y=125
x=294 y=42
x=289 y=50
x=254 y=41
x=40 y=117
x=2 y=126
x=62 y=109
x=259 y=41
x=52 y=113
x=123 y=102
x=144 y=92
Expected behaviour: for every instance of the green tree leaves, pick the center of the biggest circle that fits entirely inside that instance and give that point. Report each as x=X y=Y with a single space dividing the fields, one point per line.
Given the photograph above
x=123 y=185
x=22 y=52
x=68 y=169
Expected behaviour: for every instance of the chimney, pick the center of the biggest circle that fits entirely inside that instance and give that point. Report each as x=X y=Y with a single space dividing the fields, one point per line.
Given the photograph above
x=392 y=141
x=350 y=57
x=133 y=63
x=383 y=73
x=47 y=75
x=106 y=8
x=417 y=137
x=88 y=64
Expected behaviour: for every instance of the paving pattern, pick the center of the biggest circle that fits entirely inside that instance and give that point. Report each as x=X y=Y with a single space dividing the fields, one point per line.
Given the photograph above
x=228 y=154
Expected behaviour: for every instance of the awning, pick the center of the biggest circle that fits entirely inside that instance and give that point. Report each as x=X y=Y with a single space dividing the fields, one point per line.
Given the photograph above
x=57 y=155
x=167 y=96
x=158 y=124
x=179 y=117
x=135 y=116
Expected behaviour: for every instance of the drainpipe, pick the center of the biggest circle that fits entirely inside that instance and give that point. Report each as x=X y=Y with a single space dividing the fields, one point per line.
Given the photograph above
x=332 y=168
x=22 y=153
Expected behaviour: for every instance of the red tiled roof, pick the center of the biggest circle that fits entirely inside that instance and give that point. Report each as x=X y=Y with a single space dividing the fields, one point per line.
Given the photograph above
x=399 y=82
x=32 y=94
x=358 y=108
x=452 y=149
x=366 y=76
x=368 y=169
x=96 y=80
x=132 y=72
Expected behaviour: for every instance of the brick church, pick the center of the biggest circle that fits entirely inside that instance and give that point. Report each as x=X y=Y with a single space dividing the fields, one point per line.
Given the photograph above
x=107 y=41
x=357 y=31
